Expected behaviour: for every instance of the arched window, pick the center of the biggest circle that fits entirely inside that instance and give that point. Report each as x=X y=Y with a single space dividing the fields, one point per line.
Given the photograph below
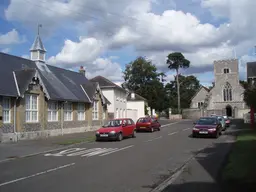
x=226 y=70
x=227 y=92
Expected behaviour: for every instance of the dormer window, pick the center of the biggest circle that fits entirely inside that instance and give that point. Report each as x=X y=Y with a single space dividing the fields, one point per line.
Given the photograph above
x=226 y=70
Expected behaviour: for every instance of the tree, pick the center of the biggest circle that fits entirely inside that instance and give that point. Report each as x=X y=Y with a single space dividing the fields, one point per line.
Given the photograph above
x=175 y=61
x=142 y=77
x=250 y=97
x=189 y=86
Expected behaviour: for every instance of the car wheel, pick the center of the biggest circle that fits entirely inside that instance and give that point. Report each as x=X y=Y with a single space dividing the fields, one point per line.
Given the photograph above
x=217 y=135
x=152 y=130
x=134 y=134
x=120 y=137
x=158 y=129
x=194 y=135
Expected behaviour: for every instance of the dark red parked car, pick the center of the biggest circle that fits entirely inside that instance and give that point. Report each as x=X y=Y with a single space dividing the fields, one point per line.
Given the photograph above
x=207 y=126
x=116 y=129
x=147 y=124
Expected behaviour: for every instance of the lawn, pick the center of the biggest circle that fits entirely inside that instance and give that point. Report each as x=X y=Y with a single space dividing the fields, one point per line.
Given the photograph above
x=240 y=171
x=78 y=140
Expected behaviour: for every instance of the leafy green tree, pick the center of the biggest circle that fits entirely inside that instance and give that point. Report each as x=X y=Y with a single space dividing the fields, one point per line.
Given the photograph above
x=250 y=97
x=189 y=85
x=142 y=77
x=175 y=61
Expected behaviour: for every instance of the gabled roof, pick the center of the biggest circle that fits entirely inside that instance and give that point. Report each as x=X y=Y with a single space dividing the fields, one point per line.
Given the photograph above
x=106 y=84
x=59 y=84
x=23 y=78
x=136 y=98
x=38 y=45
x=91 y=88
x=202 y=87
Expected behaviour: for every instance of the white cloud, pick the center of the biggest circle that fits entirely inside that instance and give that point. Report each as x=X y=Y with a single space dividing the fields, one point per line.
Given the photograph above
x=6 y=50
x=74 y=54
x=12 y=37
x=25 y=56
x=116 y=23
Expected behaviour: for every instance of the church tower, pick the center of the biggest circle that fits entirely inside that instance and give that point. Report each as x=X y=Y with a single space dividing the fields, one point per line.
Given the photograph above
x=37 y=51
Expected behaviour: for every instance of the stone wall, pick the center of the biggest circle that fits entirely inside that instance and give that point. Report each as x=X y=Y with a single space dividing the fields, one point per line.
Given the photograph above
x=191 y=113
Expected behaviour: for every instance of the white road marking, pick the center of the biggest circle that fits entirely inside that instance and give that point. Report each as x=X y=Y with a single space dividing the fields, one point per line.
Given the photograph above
x=154 y=139
x=169 y=124
x=104 y=150
x=172 y=133
x=37 y=174
x=83 y=152
x=117 y=150
x=186 y=129
x=65 y=152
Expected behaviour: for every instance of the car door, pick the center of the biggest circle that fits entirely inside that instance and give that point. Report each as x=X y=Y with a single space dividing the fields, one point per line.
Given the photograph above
x=153 y=123
x=125 y=128
x=131 y=126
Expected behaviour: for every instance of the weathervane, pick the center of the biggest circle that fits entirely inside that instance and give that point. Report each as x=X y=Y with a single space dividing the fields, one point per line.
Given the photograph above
x=38 y=28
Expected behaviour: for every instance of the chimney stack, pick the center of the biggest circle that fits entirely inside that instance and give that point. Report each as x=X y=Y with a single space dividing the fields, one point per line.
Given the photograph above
x=82 y=70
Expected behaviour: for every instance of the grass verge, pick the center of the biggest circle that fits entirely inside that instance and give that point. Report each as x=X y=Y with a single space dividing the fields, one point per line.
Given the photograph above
x=240 y=171
x=77 y=141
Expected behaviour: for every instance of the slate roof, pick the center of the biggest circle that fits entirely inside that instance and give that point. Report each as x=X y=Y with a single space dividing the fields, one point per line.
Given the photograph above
x=58 y=84
x=37 y=45
x=251 y=69
x=106 y=84
x=137 y=98
x=202 y=87
x=23 y=79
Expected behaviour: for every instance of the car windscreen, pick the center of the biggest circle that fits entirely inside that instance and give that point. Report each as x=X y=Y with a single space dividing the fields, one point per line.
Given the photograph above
x=207 y=121
x=113 y=123
x=143 y=120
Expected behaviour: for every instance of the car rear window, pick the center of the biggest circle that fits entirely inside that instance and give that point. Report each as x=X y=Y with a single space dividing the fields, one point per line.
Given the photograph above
x=207 y=121
x=143 y=120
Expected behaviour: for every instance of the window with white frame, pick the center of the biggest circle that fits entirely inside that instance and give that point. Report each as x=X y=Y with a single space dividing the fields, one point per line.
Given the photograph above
x=52 y=111
x=31 y=108
x=95 y=110
x=6 y=104
x=80 y=112
x=68 y=112
x=227 y=92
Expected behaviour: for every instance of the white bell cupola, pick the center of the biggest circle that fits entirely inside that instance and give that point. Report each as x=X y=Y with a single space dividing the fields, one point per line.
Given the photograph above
x=37 y=51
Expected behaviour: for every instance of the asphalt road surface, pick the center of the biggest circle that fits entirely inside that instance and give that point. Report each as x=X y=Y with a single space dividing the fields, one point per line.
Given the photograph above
x=134 y=164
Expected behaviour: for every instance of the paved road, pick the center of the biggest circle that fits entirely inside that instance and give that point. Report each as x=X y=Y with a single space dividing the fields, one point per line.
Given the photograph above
x=135 y=164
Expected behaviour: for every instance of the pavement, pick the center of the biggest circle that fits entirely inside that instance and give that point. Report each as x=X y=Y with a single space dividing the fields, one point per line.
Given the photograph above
x=138 y=164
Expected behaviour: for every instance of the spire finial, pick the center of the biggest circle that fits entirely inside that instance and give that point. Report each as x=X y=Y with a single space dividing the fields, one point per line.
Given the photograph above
x=38 y=29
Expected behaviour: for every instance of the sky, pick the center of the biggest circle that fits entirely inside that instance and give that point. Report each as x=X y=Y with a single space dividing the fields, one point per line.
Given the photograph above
x=105 y=35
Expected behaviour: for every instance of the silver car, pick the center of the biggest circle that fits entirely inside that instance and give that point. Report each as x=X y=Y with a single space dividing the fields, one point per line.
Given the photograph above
x=223 y=122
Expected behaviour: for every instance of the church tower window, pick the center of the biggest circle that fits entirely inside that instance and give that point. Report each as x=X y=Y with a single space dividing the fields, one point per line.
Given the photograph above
x=227 y=92
x=226 y=70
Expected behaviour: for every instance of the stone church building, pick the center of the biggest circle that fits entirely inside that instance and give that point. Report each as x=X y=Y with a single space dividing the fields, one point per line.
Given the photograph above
x=224 y=98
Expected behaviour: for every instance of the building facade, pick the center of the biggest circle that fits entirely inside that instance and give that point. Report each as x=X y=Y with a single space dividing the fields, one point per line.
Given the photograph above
x=115 y=94
x=225 y=97
x=40 y=100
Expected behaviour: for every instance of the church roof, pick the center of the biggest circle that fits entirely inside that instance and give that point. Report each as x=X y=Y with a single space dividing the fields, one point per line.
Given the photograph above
x=202 y=87
x=37 y=45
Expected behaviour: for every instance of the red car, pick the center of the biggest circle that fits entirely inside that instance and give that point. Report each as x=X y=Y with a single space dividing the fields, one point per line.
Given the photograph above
x=147 y=124
x=227 y=121
x=116 y=129
x=207 y=126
